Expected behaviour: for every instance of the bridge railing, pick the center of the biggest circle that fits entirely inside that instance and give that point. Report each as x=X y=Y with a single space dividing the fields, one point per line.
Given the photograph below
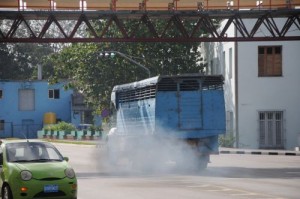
x=147 y=5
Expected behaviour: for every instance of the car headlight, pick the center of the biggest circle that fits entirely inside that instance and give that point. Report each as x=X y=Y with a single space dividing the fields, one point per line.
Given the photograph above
x=70 y=173
x=26 y=175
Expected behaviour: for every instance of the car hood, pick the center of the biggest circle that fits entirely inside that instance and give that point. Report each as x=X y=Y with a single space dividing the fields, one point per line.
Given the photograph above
x=45 y=170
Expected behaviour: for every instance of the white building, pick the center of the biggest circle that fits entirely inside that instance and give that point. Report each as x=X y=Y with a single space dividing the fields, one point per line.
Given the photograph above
x=262 y=89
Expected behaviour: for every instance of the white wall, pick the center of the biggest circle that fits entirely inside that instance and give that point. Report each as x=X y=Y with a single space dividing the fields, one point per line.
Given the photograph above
x=255 y=93
x=268 y=93
x=217 y=56
x=229 y=84
x=226 y=67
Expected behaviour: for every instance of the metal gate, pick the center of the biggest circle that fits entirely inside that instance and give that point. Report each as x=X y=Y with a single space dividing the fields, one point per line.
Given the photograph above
x=6 y=130
x=25 y=130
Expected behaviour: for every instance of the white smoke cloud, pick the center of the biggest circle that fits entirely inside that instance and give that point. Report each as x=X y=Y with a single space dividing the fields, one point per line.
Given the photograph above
x=147 y=154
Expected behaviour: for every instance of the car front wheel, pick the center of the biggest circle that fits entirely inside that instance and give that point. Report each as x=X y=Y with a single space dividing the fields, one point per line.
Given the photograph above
x=7 y=193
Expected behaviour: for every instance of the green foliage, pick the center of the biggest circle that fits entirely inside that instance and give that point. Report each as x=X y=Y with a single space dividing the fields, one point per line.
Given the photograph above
x=95 y=76
x=95 y=128
x=64 y=126
x=20 y=61
x=61 y=126
x=226 y=140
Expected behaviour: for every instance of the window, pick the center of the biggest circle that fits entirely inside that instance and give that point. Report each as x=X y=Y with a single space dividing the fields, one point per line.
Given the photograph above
x=230 y=63
x=230 y=4
x=212 y=67
x=1 y=125
x=271 y=129
x=223 y=62
x=26 y=100
x=1 y=93
x=53 y=4
x=259 y=3
x=22 y=5
x=31 y=151
x=269 y=61
x=53 y=93
x=82 y=5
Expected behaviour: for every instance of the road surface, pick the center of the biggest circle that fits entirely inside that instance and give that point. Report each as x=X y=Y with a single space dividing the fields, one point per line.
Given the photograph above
x=232 y=176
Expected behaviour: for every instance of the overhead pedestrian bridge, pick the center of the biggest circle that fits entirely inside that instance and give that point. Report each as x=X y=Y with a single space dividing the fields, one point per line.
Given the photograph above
x=45 y=21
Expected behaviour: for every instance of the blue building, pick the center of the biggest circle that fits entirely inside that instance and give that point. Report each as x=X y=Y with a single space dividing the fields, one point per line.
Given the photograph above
x=23 y=105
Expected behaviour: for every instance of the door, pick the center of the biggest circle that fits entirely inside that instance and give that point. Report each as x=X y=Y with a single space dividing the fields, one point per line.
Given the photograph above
x=28 y=130
x=190 y=110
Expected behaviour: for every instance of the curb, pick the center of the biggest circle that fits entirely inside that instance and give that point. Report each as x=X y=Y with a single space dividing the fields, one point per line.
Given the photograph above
x=259 y=152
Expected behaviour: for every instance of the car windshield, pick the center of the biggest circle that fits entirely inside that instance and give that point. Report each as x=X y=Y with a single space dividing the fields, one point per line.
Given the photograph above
x=32 y=152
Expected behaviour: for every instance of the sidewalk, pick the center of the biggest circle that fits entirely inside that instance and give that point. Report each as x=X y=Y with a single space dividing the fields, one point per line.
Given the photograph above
x=257 y=151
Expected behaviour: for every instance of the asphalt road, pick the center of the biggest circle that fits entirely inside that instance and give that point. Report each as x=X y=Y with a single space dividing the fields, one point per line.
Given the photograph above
x=236 y=176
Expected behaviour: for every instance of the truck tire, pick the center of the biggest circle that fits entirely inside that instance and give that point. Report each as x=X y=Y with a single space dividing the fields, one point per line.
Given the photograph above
x=203 y=162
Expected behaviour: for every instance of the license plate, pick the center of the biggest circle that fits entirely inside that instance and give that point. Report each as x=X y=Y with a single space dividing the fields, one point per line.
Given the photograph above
x=50 y=188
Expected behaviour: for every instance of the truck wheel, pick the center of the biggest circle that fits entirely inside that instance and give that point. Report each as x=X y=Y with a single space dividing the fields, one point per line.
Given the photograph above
x=203 y=162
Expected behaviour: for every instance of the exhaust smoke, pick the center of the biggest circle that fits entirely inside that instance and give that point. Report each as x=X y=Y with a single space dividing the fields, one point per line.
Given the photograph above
x=147 y=154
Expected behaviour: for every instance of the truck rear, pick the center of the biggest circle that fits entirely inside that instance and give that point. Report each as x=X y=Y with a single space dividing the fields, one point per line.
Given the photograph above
x=165 y=118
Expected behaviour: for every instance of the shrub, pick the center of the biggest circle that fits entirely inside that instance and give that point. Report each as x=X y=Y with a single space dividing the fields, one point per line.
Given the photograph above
x=95 y=128
x=61 y=126
x=226 y=140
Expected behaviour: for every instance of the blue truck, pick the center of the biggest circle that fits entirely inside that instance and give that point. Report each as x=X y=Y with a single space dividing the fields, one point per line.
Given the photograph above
x=164 y=112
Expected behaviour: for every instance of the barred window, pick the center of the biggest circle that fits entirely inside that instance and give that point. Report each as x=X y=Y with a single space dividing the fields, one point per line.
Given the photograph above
x=271 y=129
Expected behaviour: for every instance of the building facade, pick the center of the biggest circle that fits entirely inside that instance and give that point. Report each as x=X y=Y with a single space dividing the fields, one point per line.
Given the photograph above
x=23 y=105
x=262 y=90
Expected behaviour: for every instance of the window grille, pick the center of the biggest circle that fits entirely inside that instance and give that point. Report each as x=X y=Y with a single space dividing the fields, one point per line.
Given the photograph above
x=183 y=83
x=137 y=94
x=271 y=129
x=191 y=84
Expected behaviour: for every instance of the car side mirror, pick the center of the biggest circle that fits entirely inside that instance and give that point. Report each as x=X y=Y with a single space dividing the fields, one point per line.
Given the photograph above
x=66 y=159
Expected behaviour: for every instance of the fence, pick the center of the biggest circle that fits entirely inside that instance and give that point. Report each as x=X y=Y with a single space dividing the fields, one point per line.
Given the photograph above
x=10 y=130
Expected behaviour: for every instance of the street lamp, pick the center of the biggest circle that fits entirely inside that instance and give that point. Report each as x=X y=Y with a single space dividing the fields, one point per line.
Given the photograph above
x=112 y=53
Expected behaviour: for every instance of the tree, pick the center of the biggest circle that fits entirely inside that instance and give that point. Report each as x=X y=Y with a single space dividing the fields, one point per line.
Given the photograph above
x=6 y=63
x=92 y=74
x=19 y=61
x=95 y=76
